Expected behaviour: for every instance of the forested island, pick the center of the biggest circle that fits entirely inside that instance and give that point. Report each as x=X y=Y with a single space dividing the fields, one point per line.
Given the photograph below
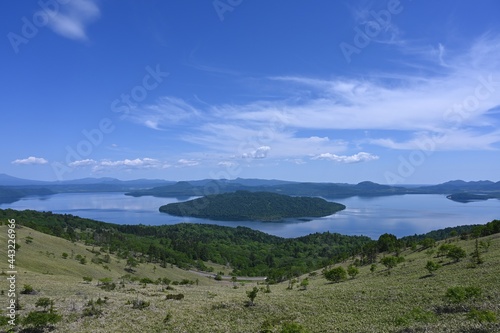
x=252 y=206
x=465 y=197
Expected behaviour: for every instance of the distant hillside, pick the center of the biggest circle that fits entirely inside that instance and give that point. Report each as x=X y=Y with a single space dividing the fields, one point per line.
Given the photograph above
x=242 y=181
x=7 y=180
x=462 y=191
x=326 y=190
x=248 y=252
x=456 y=186
x=13 y=189
x=183 y=189
x=253 y=206
x=210 y=186
x=9 y=195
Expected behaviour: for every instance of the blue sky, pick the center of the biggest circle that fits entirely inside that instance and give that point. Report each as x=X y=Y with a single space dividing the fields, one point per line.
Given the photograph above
x=395 y=92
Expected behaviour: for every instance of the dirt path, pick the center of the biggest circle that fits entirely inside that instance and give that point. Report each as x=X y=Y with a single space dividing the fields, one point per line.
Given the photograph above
x=225 y=277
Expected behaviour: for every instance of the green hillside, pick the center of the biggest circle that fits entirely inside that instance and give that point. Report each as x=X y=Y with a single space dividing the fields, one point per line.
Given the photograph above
x=404 y=298
x=253 y=206
x=248 y=252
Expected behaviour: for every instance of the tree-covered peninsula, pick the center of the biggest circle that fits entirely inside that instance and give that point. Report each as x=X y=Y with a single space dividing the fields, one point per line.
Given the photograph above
x=252 y=206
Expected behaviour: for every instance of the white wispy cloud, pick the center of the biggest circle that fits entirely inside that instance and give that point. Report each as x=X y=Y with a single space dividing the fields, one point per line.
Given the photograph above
x=356 y=158
x=166 y=112
x=82 y=163
x=461 y=95
x=456 y=99
x=186 y=163
x=444 y=141
x=243 y=139
x=227 y=164
x=71 y=19
x=297 y=161
x=31 y=160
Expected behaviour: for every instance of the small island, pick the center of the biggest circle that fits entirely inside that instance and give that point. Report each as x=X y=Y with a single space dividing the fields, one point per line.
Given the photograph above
x=466 y=197
x=252 y=206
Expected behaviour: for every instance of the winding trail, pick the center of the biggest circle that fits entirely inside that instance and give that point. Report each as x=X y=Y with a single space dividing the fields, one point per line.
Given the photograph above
x=226 y=277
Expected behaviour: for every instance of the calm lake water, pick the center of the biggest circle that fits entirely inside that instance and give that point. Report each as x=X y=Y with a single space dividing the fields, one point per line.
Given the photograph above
x=400 y=215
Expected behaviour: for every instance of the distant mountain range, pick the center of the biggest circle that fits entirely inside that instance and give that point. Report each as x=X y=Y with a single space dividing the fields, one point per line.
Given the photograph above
x=460 y=185
x=6 y=180
x=12 y=188
x=326 y=190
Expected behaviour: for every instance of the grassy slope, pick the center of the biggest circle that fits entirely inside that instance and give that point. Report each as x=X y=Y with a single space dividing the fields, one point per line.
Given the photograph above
x=369 y=303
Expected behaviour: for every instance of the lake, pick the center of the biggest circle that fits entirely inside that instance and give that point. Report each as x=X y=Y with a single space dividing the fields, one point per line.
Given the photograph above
x=400 y=215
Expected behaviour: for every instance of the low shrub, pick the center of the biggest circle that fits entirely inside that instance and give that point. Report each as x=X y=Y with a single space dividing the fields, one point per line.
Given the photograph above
x=482 y=316
x=416 y=315
x=177 y=297
x=28 y=290
x=139 y=304
x=458 y=295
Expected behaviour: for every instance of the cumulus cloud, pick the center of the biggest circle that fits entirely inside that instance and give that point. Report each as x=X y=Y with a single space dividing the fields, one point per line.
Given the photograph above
x=31 y=160
x=70 y=19
x=258 y=153
x=356 y=158
x=82 y=163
